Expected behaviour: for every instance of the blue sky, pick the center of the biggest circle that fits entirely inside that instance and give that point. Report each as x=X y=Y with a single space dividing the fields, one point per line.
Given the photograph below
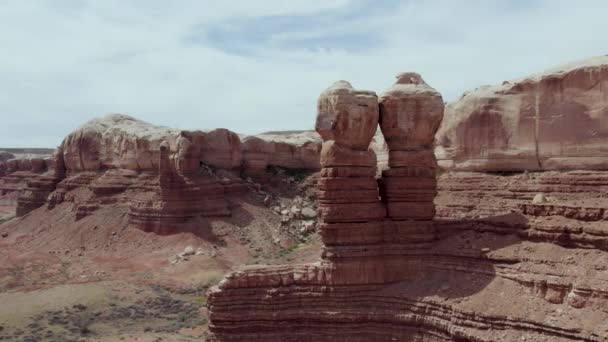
x=254 y=66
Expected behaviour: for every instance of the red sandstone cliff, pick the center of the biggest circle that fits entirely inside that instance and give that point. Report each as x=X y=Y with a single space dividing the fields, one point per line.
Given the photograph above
x=554 y=120
x=166 y=177
x=491 y=266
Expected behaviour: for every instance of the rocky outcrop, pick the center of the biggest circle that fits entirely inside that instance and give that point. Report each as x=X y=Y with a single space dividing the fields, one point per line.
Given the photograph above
x=4 y=156
x=168 y=178
x=14 y=173
x=256 y=157
x=115 y=141
x=118 y=141
x=347 y=116
x=364 y=247
x=520 y=271
x=410 y=114
x=290 y=150
x=556 y=120
x=40 y=184
x=222 y=148
x=183 y=193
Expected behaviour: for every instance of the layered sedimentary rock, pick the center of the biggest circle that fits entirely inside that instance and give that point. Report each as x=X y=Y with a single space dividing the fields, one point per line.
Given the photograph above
x=4 y=156
x=222 y=149
x=289 y=149
x=183 y=192
x=556 y=120
x=167 y=178
x=500 y=275
x=410 y=114
x=256 y=157
x=348 y=196
x=14 y=173
x=41 y=184
x=364 y=249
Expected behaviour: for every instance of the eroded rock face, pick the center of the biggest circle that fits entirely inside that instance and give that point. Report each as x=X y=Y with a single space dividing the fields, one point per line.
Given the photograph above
x=170 y=178
x=347 y=116
x=256 y=156
x=554 y=120
x=409 y=276
x=115 y=141
x=222 y=149
x=364 y=247
x=347 y=189
x=410 y=113
x=182 y=194
x=4 y=156
x=31 y=178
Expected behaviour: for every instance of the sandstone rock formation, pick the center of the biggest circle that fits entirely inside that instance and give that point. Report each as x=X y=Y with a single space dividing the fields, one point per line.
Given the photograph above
x=256 y=157
x=165 y=176
x=497 y=273
x=115 y=141
x=347 y=116
x=168 y=178
x=15 y=172
x=4 y=156
x=364 y=248
x=410 y=114
x=266 y=150
x=222 y=149
x=183 y=193
x=556 y=120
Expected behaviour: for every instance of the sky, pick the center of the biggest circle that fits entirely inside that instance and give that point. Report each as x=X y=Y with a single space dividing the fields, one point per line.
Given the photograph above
x=259 y=65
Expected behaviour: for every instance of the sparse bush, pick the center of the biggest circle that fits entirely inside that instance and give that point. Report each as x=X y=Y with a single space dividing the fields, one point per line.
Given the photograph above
x=83 y=321
x=201 y=300
x=182 y=318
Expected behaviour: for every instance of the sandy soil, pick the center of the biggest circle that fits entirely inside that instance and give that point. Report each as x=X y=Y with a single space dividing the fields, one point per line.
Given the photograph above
x=100 y=279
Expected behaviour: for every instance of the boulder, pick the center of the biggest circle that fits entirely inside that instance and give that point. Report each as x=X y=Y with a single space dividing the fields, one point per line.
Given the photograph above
x=539 y=199
x=309 y=212
x=555 y=120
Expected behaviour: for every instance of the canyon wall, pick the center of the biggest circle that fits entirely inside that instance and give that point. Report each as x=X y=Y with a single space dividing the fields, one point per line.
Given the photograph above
x=555 y=120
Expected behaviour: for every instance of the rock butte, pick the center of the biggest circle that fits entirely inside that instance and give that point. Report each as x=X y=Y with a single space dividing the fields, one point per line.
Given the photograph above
x=168 y=177
x=556 y=120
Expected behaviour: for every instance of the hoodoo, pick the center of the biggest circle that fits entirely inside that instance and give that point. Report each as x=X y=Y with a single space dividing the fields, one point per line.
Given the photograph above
x=366 y=247
x=392 y=271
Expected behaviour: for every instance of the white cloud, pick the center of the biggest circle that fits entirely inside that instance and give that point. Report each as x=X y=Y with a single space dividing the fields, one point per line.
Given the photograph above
x=64 y=62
